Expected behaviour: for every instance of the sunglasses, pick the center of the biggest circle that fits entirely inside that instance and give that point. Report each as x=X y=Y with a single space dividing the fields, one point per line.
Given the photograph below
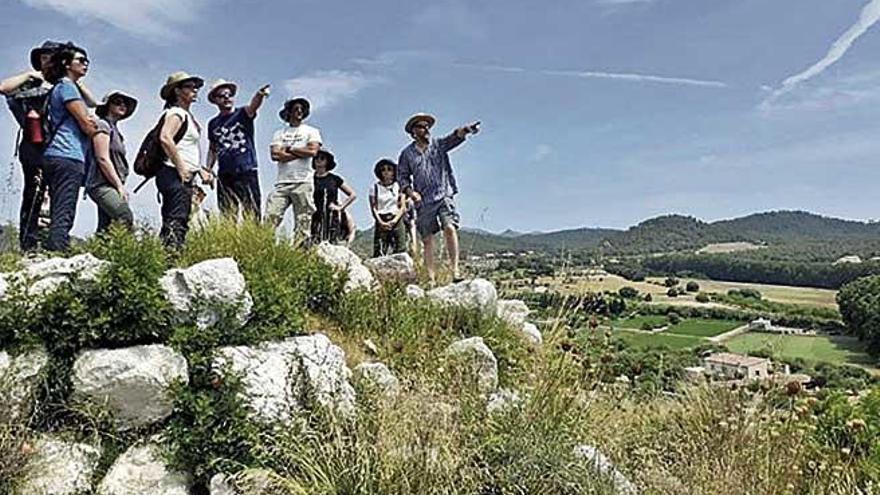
x=190 y=85
x=118 y=101
x=421 y=126
x=82 y=59
x=223 y=95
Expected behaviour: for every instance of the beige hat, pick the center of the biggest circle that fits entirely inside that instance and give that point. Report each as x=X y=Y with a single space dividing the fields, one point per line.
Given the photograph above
x=419 y=117
x=131 y=103
x=221 y=83
x=177 y=79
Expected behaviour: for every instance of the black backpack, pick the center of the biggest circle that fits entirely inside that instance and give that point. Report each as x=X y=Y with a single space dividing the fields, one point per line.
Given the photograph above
x=150 y=156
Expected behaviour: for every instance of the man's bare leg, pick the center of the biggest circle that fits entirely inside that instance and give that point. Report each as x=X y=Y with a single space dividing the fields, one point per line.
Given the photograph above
x=450 y=233
x=428 y=245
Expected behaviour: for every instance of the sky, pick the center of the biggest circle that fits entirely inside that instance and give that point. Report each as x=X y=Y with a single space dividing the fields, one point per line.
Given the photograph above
x=595 y=113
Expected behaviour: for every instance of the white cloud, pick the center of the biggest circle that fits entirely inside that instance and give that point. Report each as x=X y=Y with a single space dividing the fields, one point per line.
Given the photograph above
x=869 y=16
x=542 y=151
x=856 y=90
x=154 y=19
x=327 y=88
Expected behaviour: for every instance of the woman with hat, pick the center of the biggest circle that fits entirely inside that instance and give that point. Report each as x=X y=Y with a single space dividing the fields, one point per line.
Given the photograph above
x=388 y=206
x=331 y=222
x=179 y=137
x=106 y=181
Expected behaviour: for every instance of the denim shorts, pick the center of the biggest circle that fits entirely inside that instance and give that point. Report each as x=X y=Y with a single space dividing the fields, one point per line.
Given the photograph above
x=432 y=217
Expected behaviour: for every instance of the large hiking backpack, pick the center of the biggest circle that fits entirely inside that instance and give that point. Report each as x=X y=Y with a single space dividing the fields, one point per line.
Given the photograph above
x=150 y=156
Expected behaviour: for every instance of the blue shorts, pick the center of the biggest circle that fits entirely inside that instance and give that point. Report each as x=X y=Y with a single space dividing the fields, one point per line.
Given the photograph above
x=432 y=217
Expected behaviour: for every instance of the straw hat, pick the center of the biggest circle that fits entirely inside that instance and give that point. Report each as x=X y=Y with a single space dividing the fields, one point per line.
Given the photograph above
x=220 y=84
x=419 y=117
x=177 y=79
x=131 y=103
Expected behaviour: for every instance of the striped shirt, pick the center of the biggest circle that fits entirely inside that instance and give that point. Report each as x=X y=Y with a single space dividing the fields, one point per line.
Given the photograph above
x=429 y=172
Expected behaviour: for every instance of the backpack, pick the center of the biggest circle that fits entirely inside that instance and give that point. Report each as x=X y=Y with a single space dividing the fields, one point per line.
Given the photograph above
x=150 y=156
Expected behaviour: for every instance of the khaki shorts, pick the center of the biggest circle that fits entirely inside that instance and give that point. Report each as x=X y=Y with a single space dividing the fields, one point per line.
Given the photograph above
x=299 y=196
x=430 y=218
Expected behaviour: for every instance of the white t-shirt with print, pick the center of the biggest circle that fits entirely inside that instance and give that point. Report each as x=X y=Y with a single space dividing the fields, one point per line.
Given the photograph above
x=299 y=170
x=386 y=197
x=188 y=146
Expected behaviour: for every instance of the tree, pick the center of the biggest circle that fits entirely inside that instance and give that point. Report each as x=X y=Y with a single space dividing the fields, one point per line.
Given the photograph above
x=859 y=303
x=628 y=292
x=670 y=281
x=672 y=292
x=692 y=286
x=702 y=298
x=674 y=318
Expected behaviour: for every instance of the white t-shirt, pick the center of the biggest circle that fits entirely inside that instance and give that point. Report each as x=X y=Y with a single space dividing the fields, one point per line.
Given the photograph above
x=386 y=197
x=188 y=146
x=299 y=170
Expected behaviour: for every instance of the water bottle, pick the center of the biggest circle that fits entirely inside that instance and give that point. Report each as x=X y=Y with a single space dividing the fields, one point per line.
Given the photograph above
x=33 y=127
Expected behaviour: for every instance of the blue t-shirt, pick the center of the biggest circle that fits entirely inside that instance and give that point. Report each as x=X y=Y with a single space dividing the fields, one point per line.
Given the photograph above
x=232 y=137
x=70 y=141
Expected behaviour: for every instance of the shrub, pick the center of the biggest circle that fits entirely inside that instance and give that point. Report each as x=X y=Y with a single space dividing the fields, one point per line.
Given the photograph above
x=702 y=298
x=670 y=281
x=672 y=292
x=674 y=318
x=628 y=292
x=648 y=298
x=692 y=286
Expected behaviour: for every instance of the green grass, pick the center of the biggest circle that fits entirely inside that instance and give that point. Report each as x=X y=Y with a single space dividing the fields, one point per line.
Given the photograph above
x=636 y=322
x=662 y=339
x=703 y=327
x=831 y=349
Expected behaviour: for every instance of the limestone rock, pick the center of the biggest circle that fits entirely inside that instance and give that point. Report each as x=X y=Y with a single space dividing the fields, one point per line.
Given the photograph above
x=415 y=292
x=513 y=311
x=531 y=333
x=42 y=276
x=209 y=283
x=605 y=467
x=132 y=383
x=478 y=360
x=141 y=470
x=344 y=260
x=247 y=482
x=19 y=378
x=503 y=400
x=280 y=378
x=377 y=377
x=477 y=293
x=392 y=268
x=58 y=468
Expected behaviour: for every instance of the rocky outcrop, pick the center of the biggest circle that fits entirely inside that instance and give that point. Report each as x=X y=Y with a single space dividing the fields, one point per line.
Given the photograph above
x=392 y=268
x=512 y=311
x=477 y=293
x=19 y=378
x=415 y=292
x=344 y=260
x=141 y=470
x=502 y=401
x=602 y=465
x=132 y=383
x=247 y=482
x=43 y=276
x=204 y=288
x=57 y=467
x=376 y=377
x=476 y=362
x=281 y=379
x=531 y=333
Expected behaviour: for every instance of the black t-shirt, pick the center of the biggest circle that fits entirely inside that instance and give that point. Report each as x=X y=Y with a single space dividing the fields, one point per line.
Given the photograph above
x=327 y=190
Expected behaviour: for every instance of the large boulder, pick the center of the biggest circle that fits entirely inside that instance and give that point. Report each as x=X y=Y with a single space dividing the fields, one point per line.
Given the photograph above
x=42 y=276
x=513 y=311
x=205 y=287
x=20 y=377
x=477 y=293
x=392 y=268
x=58 y=468
x=344 y=260
x=531 y=333
x=414 y=291
x=476 y=361
x=133 y=383
x=378 y=378
x=597 y=461
x=503 y=400
x=281 y=379
x=247 y=482
x=141 y=470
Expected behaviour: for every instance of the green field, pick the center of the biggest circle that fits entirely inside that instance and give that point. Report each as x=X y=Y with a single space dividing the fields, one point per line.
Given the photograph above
x=703 y=328
x=831 y=349
x=662 y=339
x=636 y=322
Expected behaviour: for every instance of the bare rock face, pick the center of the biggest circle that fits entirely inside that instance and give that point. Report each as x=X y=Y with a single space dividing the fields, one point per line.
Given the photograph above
x=344 y=260
x=204 y=286
x=478 y=362
x=281 y=379
x=392 y=268
x=531 y=333
x=605 y=467
x=477 y=293
x=43 y=276
x=247 y=482
x=19 y=378
x=502 y=401
x=512 y=311
x=415 y=292
x=133 y=383
x=377 y=377
x=141 y=470
x=58 y=468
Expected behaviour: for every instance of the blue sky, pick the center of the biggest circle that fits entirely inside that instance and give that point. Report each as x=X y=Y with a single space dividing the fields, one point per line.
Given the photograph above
x=595 y=112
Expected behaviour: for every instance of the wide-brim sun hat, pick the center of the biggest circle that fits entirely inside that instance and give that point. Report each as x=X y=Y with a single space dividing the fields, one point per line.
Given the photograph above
x=48 y=47
x=177 y=79
x=131 y=103
x=220 y=84
x=285 y=110
x=384 y=162
x=419 y=117
x=328 y=157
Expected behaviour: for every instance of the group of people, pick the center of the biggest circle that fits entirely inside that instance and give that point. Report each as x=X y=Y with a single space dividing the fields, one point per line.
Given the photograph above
x=64 y=147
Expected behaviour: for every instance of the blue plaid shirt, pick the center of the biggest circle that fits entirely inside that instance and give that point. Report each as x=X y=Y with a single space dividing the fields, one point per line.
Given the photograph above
x=429 y=173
